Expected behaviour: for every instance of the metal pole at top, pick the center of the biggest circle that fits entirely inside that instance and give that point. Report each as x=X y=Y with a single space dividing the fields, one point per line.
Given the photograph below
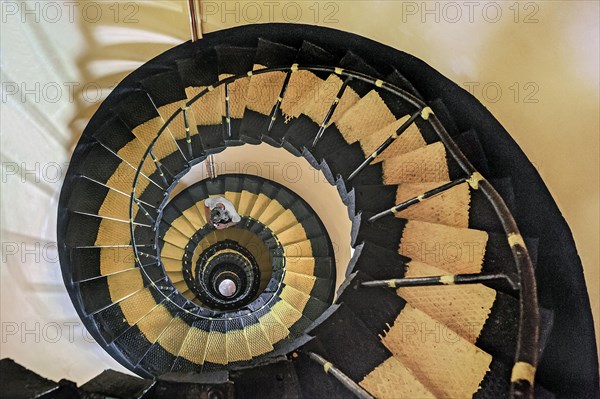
x=194 y=7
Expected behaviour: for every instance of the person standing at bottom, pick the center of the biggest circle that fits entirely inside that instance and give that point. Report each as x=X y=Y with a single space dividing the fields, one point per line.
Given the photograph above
x=221 y=213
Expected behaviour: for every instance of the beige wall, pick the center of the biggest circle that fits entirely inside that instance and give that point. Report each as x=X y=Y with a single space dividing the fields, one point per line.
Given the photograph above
x=534 y=65
x=547 y=51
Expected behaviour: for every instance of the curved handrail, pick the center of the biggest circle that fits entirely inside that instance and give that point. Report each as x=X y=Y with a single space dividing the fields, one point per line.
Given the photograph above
x=527 y=351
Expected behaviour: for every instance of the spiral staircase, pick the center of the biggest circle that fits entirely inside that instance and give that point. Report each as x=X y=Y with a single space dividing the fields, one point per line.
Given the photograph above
x=439 y=299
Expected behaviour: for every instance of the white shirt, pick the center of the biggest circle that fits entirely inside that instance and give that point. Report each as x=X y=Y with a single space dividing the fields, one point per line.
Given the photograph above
x=213 y=201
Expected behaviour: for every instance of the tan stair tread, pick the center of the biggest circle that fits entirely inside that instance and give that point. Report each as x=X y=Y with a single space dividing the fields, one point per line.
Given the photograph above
x=258 y=340
x=176 y=238
x=286 y=313
x=132 y=153
x=216 y=349
x=263 y=90
x=301 y=282
x=273 y=327
x=237 y=346
x=365 y=117
x=195 y=215
x=122 y=179
x=172 y=338
x=286 y=220
x=454 y=249
x=271 y=212
x=422 y=165
x=261 y=202
x=206 y=111
x=295 y=233
x=117 y=259
x=146 y=133
x=317 y=106
x=177 y=125
x=183 y=225
x=176 y=276
x=391 y=380
x=113 y=232
x=123 y=284
x=300 y=265
x=171 y=265
x=171 y=251
x=136 y=306
x=302 y=84
x=298 y=249
x=297 y=299
x=442 y=361
x=194 y=346
x=116 y=206
x=450 y=207
x=233 y=197
x=247 y=200
x=154 y=323
x=463 y=308
x=409 y=140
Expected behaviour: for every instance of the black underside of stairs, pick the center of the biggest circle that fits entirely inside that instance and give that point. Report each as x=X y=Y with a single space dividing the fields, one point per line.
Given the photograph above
x=568 y=365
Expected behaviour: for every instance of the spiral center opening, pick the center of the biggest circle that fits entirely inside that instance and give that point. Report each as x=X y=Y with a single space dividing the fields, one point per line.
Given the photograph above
x=227 y=288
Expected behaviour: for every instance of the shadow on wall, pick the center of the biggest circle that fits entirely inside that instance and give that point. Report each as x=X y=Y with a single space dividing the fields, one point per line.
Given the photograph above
x=120 y=37
x=115 y=38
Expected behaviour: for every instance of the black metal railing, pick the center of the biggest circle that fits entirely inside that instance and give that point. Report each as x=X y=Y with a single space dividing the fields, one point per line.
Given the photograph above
x=526 y=356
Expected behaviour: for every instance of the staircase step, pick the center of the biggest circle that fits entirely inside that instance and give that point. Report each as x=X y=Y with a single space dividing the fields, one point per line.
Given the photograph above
x=304 y=129
x=234 y=61
x=357 y=352
x=457 y=250
x=322 y=267
x=90 y=230
x=427 y=164
x=316 y=287
x=448 y=367
x=459 y=206
x=104 y=291
x=264 y=89
x=193 y=350
x=311 y=307
x=103 y=166
x=95 y=262
x=168 y=95
x=118 y=318
x=258 y=339
x=118 y=138
x=140 y=115
x=375 y=112
x=479 y=314
x=135 y=342
x=162 y=354
x=94 y=198
x=196 y=74
x=300 y=85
